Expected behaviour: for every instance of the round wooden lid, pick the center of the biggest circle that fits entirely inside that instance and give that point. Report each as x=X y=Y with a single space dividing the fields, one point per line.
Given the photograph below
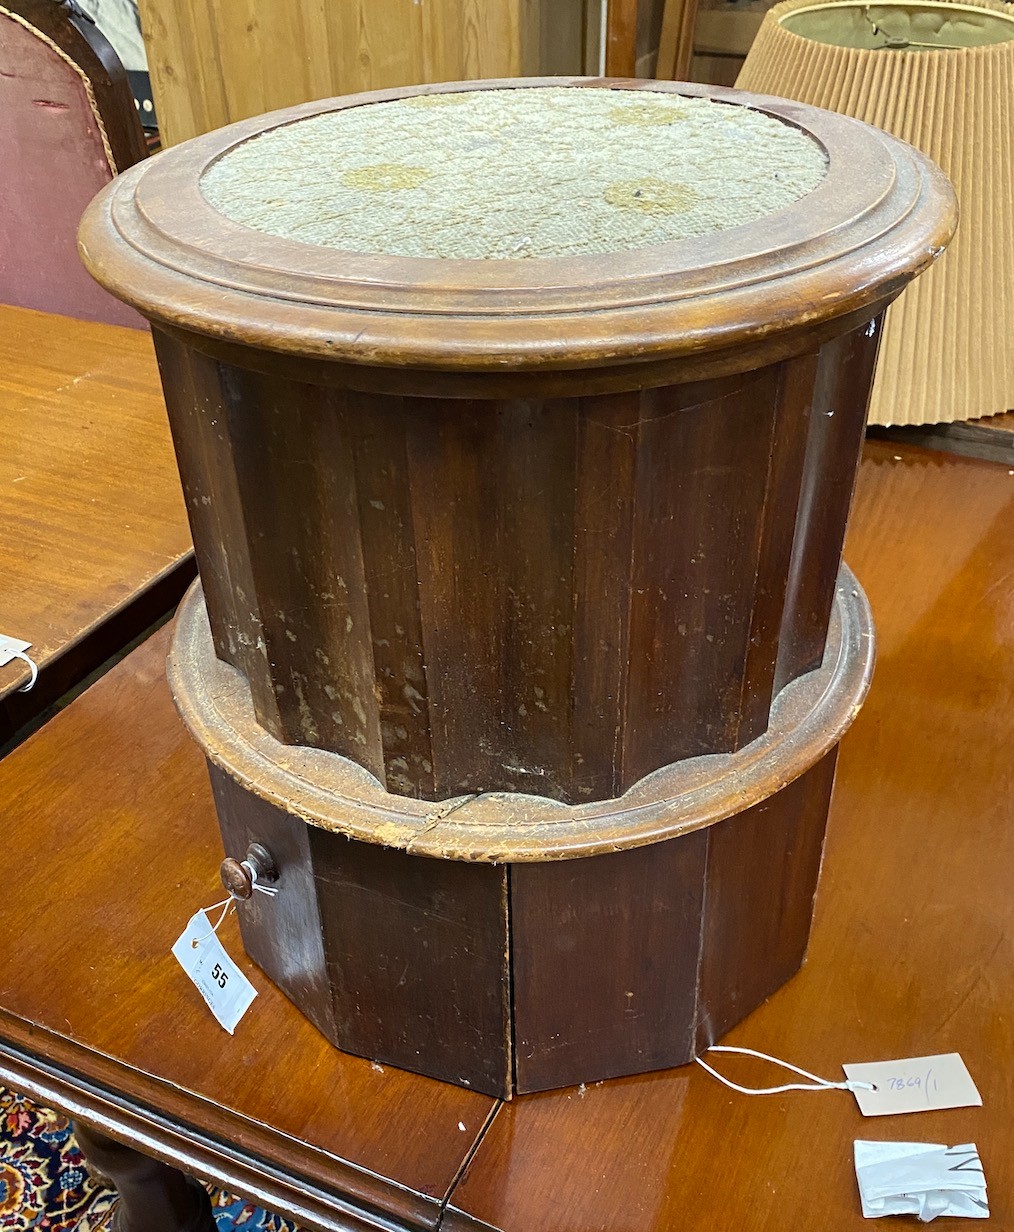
x=872 y=213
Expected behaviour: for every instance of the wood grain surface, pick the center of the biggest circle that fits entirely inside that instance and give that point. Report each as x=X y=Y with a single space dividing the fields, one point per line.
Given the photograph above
x=676 y=44
x=491 y=577
x=213 y=63
x=94 y=544
x=109 y=817
x=621 y=38
x=833 y=446
x=482 y=522
x=913 y=942
x=109 y=821
x=496 y=828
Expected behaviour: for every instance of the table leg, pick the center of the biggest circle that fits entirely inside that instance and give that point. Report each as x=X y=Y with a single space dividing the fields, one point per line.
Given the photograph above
x=154 y=1197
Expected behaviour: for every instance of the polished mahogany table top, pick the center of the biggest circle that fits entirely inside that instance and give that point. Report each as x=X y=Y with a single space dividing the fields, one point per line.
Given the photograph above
x=111 y=845
x=94 y=542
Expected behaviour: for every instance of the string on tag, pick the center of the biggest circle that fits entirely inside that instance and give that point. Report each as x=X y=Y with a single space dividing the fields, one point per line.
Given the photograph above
x=20 y=654
x=227 y=905
x=816 y=1084
x=255 y=881
x=12 y=648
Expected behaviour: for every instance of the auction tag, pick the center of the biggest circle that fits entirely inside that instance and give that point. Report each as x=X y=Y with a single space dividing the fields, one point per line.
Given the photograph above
x=923 y=1179
x=917 y=1084
x=11 y=649
x=219 y=981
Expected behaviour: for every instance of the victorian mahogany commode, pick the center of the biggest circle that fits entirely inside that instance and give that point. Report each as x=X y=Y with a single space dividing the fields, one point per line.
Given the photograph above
x=522 y=650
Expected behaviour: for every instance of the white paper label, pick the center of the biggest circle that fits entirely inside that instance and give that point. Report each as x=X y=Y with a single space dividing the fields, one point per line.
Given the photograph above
x=10 y=648
x=219 y=981
x=920 y=1178
x=915 y=1084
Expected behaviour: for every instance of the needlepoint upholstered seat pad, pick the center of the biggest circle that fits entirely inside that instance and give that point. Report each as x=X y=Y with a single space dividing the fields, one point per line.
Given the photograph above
x=509 y=173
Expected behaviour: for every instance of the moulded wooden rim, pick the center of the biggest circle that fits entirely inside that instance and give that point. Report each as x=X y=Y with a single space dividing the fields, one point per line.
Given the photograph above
x=882 y=214
x=808 y=718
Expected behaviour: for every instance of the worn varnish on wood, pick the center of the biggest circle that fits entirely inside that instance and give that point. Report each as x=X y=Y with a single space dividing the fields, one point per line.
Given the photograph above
x=514 y=595
x=99 y=1022
x=922 y=932
x=911 y=943
x=545 y=904
x=519 y=643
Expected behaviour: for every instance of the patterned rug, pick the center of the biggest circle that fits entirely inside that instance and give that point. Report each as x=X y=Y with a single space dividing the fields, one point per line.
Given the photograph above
x=44 y=1184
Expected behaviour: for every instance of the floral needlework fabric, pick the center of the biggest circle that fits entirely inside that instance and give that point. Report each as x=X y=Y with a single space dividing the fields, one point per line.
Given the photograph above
x=235 y=1215
x=43 y=1181
x=45 y=1186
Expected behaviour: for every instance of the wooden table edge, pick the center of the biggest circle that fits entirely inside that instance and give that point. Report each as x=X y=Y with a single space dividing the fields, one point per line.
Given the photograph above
x=456 y=1220
x=112 y=1097
x=183 y=563
x=94 y=644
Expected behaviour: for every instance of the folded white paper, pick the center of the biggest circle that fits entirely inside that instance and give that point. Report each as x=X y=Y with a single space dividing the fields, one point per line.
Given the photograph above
x=920 y=1178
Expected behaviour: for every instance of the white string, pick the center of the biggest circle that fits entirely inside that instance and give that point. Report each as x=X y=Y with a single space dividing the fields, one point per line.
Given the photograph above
x=20 y=654
x=227 y=905
x=817 y=1084
x=271 y=891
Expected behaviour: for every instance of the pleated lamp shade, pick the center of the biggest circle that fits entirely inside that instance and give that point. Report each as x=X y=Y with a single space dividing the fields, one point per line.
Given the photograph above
x=940 y=76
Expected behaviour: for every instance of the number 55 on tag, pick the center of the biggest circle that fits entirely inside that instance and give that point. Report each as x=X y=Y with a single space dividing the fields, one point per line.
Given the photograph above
x=219 y=981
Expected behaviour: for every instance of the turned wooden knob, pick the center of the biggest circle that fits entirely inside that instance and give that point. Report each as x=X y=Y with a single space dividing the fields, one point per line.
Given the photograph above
x=257 y=868
x=236 y=878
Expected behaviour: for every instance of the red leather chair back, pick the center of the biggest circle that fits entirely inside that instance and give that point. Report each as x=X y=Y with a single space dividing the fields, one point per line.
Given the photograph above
x=69 y=125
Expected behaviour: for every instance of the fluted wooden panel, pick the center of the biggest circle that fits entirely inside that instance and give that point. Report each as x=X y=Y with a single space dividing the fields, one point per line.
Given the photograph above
x=204 y=453
x=556 y=596
x=839 y=393
x=948 y=347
